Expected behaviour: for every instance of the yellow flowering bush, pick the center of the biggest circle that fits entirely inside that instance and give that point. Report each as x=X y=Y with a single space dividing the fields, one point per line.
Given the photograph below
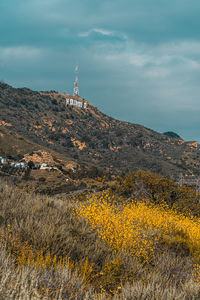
x=139 y=227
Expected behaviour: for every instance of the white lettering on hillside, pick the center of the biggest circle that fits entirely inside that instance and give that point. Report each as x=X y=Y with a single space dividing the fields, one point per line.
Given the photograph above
x=76 y=103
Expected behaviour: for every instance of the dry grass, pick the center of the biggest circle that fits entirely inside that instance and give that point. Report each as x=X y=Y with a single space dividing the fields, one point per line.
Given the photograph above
x=49 y=253
x=27 y=282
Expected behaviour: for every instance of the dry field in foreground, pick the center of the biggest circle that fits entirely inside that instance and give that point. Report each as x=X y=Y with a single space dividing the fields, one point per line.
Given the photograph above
x=97 y=248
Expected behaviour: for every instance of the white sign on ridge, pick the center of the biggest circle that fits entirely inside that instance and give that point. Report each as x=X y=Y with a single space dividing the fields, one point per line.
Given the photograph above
x=76 y=103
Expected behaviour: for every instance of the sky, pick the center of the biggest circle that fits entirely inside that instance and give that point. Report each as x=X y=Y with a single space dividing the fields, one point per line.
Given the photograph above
x=139 y=60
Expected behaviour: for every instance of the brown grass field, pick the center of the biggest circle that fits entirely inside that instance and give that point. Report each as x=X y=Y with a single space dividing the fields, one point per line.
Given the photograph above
x=101 y=247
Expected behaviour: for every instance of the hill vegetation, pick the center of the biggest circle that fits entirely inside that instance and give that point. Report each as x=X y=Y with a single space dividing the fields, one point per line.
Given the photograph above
x=88 y=136
x=137 y=239
x=14 y=146
x=67 y=175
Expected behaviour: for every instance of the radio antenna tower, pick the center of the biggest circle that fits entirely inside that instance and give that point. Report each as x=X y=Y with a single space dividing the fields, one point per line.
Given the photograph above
x=76 y=89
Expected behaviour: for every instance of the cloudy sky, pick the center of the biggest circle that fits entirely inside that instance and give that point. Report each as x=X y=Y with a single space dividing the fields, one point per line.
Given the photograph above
x=139 y=60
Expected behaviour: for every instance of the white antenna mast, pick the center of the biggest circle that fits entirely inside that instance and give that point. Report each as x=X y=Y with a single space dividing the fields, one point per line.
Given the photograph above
x=76 y=89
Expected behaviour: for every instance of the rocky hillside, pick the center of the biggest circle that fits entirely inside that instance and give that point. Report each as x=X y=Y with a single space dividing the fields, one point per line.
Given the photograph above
x=15 y=147
x=91 y=137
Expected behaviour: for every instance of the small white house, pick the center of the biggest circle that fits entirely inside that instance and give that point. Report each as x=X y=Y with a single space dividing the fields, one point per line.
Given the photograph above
x=23 y=165
x=3 y=160
x=18 y=165
x=45 y=166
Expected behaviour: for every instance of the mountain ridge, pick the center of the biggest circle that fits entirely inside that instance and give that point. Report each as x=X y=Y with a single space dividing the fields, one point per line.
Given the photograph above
x=90 y=136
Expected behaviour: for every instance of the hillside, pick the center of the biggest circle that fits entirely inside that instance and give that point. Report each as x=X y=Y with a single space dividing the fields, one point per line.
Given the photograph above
x=14 y=146
x=91 y=137
x=66 y=176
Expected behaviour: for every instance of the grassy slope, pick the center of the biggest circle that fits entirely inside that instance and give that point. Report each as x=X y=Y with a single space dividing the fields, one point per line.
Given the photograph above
x=31 y=222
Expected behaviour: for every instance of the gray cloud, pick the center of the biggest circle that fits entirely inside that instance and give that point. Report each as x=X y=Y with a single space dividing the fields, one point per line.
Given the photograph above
x=139 y=60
